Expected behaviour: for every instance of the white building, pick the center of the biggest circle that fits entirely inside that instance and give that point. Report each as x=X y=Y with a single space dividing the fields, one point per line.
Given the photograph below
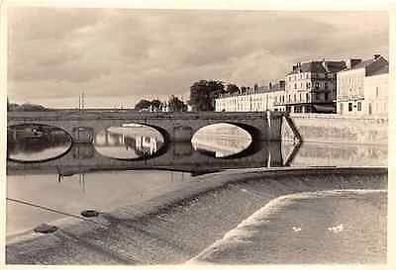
x=309 y=87
x=251 y=99
x=362 y=88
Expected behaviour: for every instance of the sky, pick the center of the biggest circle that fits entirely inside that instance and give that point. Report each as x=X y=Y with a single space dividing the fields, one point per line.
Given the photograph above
x=118 y=56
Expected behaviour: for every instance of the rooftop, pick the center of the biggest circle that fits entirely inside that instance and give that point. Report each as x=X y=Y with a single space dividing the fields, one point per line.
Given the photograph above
x=322 y=66
x=373 y=66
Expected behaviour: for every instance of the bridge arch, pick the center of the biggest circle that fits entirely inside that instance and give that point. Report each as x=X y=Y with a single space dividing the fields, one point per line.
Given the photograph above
x=36 y=134
x=160 y=151
x=256 y=135
x=256 y=144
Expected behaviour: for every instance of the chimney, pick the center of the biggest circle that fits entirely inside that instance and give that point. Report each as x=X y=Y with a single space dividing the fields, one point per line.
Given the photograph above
x=350 y=63
x=376 y=56
x=270 y=86
x=282 y=84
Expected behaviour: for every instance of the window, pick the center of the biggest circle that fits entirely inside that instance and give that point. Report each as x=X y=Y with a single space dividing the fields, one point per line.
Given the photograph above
x=326 y=96
x=295 y=98
x=307 y=76
x=359 y=106
x=341 y=107
x=307 y=97
x=350 y=107
x=295 y=86
x=300 y=97
x=376 y=91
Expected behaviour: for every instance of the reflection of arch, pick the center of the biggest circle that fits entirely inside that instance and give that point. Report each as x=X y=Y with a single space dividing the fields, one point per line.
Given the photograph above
x=39 y=134
x=254 y=147
x=143 y=147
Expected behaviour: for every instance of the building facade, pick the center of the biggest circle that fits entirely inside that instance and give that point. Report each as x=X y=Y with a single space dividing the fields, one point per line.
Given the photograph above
x=251 y=99
x=362 y=87
x=311 y=87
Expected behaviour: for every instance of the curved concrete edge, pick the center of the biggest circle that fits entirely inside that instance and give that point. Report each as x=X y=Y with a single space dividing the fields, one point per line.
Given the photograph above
x=272 y=207
x=189 y=190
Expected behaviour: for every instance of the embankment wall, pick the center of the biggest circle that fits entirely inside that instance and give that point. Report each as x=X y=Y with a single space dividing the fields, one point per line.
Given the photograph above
x=339 y=129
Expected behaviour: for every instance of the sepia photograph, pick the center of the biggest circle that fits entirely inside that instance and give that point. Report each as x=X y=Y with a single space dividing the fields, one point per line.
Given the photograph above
x=142 y=136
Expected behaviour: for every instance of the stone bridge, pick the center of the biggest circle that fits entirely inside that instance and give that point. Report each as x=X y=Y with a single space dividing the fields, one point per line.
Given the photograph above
x=180 y=156
x=174 y=127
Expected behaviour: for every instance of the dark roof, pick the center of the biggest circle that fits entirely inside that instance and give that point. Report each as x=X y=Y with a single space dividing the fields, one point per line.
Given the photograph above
x=382 y=70
x=373 y=66
x=364 y=64
x=319 y=67
x=335 y=66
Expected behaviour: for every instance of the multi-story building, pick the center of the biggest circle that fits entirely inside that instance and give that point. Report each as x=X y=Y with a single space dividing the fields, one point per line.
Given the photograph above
x=310 y=87
x=362 y=88
x=249 y=99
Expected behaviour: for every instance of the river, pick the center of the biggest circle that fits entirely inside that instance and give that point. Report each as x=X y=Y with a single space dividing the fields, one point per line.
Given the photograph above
x=322 y=217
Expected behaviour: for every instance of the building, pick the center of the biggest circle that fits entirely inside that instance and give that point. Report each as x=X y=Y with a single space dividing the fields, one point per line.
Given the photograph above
x=362 y=87
x=249 y=99
x=311 y=87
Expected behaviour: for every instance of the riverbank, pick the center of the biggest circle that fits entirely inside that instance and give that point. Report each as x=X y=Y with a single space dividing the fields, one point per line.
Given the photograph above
x=178 y=225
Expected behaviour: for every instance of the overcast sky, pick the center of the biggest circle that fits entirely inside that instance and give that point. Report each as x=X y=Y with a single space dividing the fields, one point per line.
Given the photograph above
x=119 y=56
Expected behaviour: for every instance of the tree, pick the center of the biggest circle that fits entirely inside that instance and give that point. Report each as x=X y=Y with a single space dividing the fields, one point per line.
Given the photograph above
x=143 y=104
x=203 y=94
x=176 y=105
x=156 y=104
x=232 y=88
x=30 y=107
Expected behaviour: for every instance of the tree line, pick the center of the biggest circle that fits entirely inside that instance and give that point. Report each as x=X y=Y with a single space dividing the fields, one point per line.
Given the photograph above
x=174 y=104
x=203 y=94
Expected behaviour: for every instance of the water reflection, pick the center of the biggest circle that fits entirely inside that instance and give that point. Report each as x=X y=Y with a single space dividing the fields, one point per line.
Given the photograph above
x=102 y=191
x=29 y=143
x=221 y=140
x=131 y=141
x=327 y=154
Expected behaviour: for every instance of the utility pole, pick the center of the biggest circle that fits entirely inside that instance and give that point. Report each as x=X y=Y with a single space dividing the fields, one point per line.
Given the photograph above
x=82 y=100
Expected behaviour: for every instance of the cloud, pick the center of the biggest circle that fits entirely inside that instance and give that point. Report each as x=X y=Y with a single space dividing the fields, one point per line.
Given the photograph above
x=55 y=53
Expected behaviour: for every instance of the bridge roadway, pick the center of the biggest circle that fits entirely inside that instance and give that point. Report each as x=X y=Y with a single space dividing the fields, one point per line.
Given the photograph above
x=83 y=125
x=83 y=158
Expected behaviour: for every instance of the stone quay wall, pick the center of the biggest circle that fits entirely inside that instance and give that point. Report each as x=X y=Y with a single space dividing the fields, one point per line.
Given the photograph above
x=339 y=129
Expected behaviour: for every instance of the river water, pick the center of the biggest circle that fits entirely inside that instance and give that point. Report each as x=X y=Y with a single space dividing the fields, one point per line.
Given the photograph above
x=300 y=226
